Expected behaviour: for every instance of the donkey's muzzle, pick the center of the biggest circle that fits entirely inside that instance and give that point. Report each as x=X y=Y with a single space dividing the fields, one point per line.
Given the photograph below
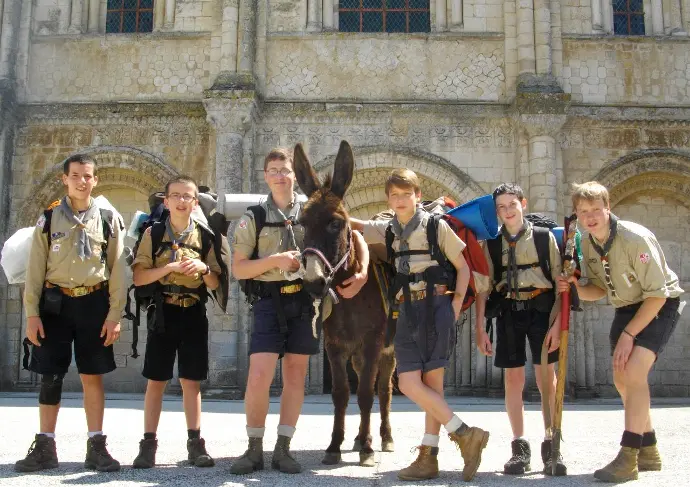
x=316 y=287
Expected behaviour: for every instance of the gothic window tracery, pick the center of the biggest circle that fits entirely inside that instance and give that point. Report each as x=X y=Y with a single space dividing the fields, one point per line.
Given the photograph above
x=403 y=16
x=129 y=16
x=628 y=17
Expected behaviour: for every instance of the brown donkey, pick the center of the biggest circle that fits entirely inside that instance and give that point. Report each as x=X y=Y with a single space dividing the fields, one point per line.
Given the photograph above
x=356 y=328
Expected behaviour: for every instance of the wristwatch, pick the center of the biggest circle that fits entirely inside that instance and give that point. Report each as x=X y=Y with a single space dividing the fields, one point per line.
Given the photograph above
x=207 y=271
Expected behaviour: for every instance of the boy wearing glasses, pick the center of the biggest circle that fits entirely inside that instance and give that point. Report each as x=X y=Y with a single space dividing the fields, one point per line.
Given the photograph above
x=282 y=311
x=177 y=324
x=624 y=261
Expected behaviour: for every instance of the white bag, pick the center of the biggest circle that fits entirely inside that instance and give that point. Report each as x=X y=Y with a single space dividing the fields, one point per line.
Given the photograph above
x=15 y=255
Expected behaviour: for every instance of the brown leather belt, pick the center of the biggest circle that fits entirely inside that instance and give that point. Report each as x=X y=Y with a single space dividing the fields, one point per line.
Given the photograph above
x=182 y=302
x=421 y=294
x=78 y=291
x=526 y=295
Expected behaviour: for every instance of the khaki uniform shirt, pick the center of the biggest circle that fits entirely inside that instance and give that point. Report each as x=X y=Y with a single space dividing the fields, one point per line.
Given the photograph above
x=526 y=253
x=638 y=266
x=145 y=259
x=448 y=241
x=61 y=266
x=272 y=240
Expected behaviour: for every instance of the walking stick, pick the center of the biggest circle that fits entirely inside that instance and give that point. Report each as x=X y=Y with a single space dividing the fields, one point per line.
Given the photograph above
x=569 y=299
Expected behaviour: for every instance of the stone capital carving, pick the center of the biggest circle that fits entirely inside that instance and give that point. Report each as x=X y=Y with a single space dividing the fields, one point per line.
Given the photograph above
x=540 y=124
x=231 y=111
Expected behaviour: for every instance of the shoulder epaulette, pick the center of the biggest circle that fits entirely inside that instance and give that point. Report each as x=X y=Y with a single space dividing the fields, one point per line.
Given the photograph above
x=53 y=205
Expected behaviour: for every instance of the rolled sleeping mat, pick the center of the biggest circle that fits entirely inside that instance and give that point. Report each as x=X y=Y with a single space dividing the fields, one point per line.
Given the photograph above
x=479 y=215
x=235 y=205
x=558 y=233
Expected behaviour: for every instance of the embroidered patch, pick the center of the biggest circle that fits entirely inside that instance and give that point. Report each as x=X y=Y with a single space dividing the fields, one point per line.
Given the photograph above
x=630 y=278
x=56 y=248
x=593 y=261
x=56 y=235
x=644 y=257
x=243 y=224
x=41 y=221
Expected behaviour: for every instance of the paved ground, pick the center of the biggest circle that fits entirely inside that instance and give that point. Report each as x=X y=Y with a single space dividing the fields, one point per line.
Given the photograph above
x=592 y=432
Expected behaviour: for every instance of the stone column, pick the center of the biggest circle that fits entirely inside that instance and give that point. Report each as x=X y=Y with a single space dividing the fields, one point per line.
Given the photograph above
x=232 y=114
x=328 y=15
x=456 y=15
x=246 y=38
x=542 y=36
x=657 y=18
x=169 y=19
x=158 y=16
x=314 y=16
x=9 y=31
x=75 y=25
x=525 y=37
x=441 y=18
x=94 y=15
x=597 y=17
x=673 y=18
x=227 y=77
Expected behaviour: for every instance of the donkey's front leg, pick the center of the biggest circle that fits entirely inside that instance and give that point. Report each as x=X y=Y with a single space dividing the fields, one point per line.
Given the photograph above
x=340 y=395
x=366 y=366
x=386 y=368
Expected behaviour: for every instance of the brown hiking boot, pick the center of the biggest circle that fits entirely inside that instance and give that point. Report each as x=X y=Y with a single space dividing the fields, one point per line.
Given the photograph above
x=252 y=460
x=649 y=459
x=197 y=454
x=471 y=442
x=424 y=467
x=519 y=463
x=42 y=455
x=147 y=454
x=97 y=456
x=622 y=469
x=282 y=458
x=546 y=451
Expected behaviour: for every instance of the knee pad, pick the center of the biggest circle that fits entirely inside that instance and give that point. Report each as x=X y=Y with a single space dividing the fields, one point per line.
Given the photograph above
x=51 y=389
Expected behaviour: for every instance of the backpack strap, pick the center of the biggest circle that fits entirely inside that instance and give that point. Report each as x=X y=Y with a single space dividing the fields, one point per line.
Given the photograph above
x=48 y=216
x=495 y=246
x=542 y=243
x=259 y=213
x=157 y=233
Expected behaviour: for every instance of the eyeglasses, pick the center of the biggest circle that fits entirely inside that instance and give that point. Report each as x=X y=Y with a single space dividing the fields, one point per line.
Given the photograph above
x=607 y=276
x=283 y=172
x=187 y=198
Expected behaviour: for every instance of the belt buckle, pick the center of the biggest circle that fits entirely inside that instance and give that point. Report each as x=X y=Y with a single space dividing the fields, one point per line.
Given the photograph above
x=79 y=291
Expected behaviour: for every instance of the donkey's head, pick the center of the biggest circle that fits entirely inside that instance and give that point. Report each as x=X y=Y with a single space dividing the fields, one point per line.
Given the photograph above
x=328 y=252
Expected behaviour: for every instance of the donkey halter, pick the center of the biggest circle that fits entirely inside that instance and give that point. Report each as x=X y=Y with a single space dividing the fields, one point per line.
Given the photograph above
x=332 y=269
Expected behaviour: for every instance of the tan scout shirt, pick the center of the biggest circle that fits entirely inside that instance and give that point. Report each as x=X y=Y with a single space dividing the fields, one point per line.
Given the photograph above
x=272 y=240
x=638 y=266
x=526 y=253
x=145 y=259
x=450 y=243
x=61 y=266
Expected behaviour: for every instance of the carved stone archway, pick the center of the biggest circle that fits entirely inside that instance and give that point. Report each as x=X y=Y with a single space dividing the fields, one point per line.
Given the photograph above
x=118 y=166
x=437 y=176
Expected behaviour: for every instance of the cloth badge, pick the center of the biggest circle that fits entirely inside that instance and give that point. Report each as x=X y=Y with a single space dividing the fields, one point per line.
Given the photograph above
x=56 y=235
x=56 y=248
x=644 y=257
x=243 y=224
x=41 y=221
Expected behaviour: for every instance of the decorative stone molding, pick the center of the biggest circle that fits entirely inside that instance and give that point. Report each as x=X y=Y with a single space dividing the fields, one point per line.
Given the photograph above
x=120 y=166
x=230 y=110
x=539 y=124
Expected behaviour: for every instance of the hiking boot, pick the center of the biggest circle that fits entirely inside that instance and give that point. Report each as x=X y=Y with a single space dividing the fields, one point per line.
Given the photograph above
x=622 y=468
x=97 y=456
x=251 y=460
x=561 y=469
x=282 y=458
x=424 y=467
x=198 y=456
x=649 y=459
x=147 y=454
x=519 y=463
x=42 y=455
x=471 y=442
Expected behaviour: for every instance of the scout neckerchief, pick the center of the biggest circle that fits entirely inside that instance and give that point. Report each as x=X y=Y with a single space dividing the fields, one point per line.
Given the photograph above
x=83 y=243
x=403 y=235
x=288 y=241
x=604 y=252
x=512 y=268
x=175 y=242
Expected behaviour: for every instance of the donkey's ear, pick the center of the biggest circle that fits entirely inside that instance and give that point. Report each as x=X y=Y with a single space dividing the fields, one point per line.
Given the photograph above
x=342 y=172
x=306 y=177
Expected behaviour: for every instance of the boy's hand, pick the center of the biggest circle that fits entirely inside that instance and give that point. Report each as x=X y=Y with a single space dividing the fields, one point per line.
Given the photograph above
x=484 y=342
x=563 y=283
x=175 y=266
x=111 y=332
x=457 y=306
x=351 y=286
x=553 y=338
x=191 y=267
x=287 y=261
x=34 y=328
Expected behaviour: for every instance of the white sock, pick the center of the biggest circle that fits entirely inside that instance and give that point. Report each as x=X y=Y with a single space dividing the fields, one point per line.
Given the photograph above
x=453 y=425
x=430 y=440
x=285 y=430
x=94 y=433
x=49 y=435
x=518 y=438
x=255 y=432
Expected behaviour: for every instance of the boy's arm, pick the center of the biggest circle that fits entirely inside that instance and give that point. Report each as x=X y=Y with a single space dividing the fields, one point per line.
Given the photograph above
x=357 y=224
x=461 y=282
x=142 y=267
x=116 y=264
x=36 y=270
x=351 y=286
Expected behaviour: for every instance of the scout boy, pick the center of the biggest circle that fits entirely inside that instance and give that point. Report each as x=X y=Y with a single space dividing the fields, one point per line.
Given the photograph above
x=180 y=274
x=75 y=293
x=624 y=262
x=523 y=295
x=424 y=341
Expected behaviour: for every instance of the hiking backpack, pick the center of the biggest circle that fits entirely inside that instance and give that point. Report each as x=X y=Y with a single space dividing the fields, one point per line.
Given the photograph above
x=213 y=235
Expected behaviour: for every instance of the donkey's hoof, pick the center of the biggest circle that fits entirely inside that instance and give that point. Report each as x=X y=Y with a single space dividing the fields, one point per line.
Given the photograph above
x=331 y=458
x=387 y=445
x=357 y=445
x=366 y=459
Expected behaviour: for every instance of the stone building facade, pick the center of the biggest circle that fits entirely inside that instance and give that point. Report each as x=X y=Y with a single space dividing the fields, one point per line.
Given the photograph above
x=542 y=92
